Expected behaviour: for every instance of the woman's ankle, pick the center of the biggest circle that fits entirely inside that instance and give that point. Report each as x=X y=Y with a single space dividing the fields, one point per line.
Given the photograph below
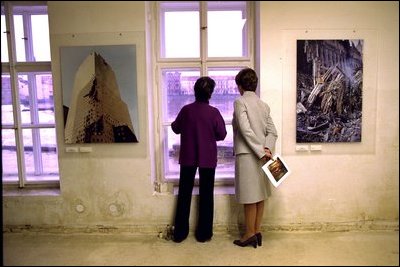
x=247 y=235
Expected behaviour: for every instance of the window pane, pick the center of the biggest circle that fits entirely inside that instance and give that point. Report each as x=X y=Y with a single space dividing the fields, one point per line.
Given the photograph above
x=40 y=152
x=6 y=101
x=31 y=35
x=9 y=155
x=36 y=98
x=4 y=42
x=171 y=150
x=223 y=97
x=226 y=159
x=19 y=38
x=227 y=29
x=45 y=98
x=24 y=98
x=225 y=91
x=49 y=152
x=40 y=35
x=180 y=30
x=28 y=152
x=178 y=90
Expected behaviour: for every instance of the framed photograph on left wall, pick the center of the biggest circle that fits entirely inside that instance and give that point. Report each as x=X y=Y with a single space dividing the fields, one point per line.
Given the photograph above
x=100 y=101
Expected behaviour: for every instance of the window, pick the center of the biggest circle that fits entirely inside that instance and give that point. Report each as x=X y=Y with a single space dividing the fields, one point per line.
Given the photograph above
x=29 y=149
x=199 y=39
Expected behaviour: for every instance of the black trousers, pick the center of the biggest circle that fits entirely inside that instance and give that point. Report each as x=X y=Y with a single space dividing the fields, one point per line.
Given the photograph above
x=204 y=228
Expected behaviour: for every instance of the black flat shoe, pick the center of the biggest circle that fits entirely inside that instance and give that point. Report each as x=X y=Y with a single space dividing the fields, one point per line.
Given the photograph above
x=250 y=241
x=259 y=239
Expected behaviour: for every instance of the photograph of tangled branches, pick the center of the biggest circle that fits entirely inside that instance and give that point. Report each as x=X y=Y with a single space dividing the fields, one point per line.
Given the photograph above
x=329 y=91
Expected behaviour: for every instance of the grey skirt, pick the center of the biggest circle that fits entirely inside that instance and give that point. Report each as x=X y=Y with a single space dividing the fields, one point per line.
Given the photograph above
x=251 y=183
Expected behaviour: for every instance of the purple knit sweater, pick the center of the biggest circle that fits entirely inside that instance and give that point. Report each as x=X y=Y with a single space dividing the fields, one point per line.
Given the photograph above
x=200 y=126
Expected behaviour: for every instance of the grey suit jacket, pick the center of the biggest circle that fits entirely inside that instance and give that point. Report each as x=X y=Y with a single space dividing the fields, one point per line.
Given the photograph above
x=253 y=128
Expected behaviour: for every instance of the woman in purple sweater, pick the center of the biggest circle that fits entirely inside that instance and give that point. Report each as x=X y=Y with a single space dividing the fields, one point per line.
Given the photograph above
x=200 y=126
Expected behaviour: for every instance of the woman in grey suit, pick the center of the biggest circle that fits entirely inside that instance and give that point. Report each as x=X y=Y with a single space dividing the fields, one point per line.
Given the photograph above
x=254 y=136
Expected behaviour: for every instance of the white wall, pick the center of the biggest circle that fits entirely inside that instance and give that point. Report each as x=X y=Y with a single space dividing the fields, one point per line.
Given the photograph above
x=331 y=187
x=342 y=183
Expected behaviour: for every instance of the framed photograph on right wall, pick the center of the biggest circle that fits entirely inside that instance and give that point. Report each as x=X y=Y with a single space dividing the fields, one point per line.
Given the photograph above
x=277 y=170
x=329 y=90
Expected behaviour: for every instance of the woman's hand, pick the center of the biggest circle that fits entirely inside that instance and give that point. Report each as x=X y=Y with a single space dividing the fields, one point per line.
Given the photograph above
x=268 y=154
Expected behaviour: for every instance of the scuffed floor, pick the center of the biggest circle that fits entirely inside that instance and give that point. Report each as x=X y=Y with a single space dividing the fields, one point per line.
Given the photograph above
x=372 y=248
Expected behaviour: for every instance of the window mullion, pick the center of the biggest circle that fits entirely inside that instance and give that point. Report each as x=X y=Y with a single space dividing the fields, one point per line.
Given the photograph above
x=34 y=112
x=160 y=33
x=26 y=20
x=44 y=66
x=34 y=109
x=15 y=96
x=250 y=33
x=203 y=37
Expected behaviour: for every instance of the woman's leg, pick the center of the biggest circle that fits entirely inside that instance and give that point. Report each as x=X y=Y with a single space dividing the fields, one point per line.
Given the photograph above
x=186 y=181
x=250 y=215
x=259 y=216
x=204 y=230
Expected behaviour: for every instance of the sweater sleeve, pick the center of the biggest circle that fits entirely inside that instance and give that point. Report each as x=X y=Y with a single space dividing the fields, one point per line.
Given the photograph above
x=220 y=128
x=177 y=123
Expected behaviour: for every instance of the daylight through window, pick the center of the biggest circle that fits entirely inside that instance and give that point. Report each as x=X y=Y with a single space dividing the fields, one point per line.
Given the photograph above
x=200 y=39
x=29 y=148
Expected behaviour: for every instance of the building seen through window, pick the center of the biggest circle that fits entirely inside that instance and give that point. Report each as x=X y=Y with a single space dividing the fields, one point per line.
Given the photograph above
x=180 y=92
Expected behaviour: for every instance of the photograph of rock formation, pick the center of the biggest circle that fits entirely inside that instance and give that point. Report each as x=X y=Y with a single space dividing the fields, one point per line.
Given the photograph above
x=97 y=113
x=329 y=91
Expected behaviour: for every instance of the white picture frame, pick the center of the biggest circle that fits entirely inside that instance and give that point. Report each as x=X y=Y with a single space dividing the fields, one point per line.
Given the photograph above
x=276 y=170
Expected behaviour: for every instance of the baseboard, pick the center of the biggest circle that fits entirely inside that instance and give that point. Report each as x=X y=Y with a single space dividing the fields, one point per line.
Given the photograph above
x=218 y=228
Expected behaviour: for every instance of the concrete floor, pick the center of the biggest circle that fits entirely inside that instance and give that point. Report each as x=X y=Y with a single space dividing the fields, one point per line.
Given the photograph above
x=373 y=248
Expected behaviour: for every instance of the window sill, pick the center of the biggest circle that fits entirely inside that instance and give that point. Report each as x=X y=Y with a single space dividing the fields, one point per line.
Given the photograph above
x=15 y=192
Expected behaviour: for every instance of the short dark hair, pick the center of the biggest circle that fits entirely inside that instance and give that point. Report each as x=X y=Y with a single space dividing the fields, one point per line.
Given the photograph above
x=247 y=79
x=203 y=88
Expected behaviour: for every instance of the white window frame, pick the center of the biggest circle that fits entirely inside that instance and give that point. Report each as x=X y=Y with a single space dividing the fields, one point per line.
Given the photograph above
x=30 y=67
x=202 y=63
